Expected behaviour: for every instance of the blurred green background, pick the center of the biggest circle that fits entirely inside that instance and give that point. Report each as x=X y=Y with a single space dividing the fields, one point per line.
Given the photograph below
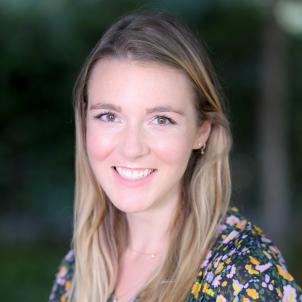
x=256 y=47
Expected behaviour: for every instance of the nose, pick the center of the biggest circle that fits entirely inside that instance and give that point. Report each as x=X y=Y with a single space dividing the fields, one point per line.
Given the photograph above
x=133 y=143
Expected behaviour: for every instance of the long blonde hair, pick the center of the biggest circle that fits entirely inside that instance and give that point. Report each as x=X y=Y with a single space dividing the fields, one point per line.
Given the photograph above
x=100 y=230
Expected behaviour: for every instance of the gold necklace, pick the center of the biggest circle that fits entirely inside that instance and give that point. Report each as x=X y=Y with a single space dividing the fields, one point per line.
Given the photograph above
x=115 y=297
x=151 y=255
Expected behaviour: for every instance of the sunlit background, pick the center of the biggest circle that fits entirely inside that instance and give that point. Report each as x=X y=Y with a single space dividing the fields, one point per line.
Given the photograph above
x=256 y=47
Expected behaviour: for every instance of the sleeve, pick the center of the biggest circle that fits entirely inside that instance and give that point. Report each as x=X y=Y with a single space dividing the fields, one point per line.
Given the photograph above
x=253 y=278
x=250 y=269
x=63 y=280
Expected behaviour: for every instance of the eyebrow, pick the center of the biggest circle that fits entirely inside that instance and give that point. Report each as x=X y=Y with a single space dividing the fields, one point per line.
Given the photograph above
x=148 y=110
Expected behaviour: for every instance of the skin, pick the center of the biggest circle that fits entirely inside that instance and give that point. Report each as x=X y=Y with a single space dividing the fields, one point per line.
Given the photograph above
x=138 y=138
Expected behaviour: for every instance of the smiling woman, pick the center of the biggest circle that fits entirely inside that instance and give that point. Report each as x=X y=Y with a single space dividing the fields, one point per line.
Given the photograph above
x=152 y=218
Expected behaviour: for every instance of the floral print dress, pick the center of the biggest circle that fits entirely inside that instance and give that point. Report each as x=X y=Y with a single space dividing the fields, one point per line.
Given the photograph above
x=242 y=265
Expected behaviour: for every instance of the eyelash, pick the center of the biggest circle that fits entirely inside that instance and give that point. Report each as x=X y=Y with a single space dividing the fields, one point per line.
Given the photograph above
x=99 y=116
x=170 y=120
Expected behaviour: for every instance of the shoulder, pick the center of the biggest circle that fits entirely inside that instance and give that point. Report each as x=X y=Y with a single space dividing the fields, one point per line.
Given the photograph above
x=63 y=279
x=244 y=265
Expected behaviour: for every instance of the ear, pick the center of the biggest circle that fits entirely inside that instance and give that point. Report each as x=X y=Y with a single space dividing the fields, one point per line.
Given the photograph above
x=202 y=134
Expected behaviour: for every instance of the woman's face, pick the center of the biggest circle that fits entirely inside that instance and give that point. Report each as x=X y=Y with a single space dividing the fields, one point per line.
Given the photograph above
x=141 y=129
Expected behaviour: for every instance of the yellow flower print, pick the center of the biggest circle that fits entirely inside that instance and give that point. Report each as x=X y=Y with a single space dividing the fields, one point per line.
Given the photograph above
x=68 y=285
x=196 y=289
x=220 y=298
x=267 y=254
x=258 y=230
x=250 y=270
x=252 y=293
x=246 y=299
x=219 y=268
x=284 y=273
x=254 y=260
x=224 y=283
x=237 y=286
x=234 y=209
x=238 y=242
x=63 y=299
x=279 y=292
x=210 y=292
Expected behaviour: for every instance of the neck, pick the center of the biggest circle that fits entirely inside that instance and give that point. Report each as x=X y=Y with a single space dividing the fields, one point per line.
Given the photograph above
x=149 y=231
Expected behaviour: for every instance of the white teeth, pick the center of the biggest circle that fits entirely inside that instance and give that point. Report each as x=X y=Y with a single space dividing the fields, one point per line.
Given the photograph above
x=133 y=175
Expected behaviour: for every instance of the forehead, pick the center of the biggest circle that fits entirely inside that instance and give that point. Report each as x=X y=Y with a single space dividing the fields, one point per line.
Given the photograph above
x=127 y=82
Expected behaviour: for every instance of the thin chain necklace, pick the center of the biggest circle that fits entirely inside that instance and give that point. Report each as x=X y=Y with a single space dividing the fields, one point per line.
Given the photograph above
x=150 y=255
x=115 y=298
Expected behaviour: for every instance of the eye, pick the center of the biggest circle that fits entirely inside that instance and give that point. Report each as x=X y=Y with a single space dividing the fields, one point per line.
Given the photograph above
x=106 y=117
x=164 y=120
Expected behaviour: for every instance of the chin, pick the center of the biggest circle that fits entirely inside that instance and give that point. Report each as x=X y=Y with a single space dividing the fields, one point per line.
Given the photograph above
x=131 y=207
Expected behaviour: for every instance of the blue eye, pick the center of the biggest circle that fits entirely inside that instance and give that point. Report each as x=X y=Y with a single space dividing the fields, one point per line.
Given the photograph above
x=106 y=117
x=164 y=120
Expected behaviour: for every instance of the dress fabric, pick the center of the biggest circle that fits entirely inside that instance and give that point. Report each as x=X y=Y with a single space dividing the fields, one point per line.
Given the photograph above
x=242 y=265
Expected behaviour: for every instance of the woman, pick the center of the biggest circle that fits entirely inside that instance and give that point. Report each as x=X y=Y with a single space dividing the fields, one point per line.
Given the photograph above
x=152 y=219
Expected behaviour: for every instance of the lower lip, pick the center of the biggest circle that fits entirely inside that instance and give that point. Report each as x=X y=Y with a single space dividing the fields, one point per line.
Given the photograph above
x=133 y=183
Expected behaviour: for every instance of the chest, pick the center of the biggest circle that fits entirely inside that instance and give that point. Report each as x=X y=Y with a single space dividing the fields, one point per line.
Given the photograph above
x=134 y=273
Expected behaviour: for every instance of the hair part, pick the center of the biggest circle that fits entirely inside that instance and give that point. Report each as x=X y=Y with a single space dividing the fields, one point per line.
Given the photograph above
x=100 y=230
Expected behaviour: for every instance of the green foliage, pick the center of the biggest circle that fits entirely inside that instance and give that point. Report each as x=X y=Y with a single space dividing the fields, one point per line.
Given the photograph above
x=28 y=271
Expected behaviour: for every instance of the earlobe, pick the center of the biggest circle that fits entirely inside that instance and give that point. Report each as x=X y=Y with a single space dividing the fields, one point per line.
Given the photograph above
x=202 y=135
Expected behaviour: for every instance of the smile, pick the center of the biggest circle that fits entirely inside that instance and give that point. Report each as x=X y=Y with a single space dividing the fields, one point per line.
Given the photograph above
x=133 y=174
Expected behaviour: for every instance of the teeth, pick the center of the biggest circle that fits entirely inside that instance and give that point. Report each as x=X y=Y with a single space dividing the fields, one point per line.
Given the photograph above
x=133 y=175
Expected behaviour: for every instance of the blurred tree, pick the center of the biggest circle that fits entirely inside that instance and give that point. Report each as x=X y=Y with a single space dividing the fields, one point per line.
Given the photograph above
x=273 y=129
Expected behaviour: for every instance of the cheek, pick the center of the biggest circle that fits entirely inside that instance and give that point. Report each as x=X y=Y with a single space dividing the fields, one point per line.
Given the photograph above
x=175 y=150
x=98 y=147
